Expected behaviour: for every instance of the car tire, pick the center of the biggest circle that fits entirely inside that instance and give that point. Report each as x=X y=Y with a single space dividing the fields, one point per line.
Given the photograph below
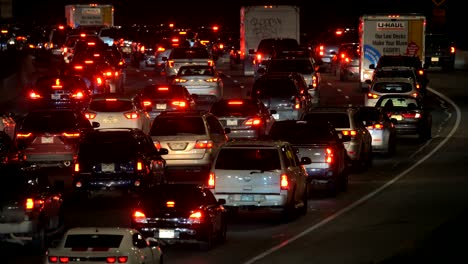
x=207 y=243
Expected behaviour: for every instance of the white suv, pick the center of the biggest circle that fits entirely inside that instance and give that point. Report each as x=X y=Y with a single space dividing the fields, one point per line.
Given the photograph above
x=260 y=174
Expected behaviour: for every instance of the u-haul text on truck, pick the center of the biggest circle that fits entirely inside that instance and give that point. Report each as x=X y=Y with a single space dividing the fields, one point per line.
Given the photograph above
x=389 y=35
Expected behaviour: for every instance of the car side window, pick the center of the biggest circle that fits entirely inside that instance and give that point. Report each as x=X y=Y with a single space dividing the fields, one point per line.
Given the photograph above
x=139 y=241
x=214 y=126
x=209 y=197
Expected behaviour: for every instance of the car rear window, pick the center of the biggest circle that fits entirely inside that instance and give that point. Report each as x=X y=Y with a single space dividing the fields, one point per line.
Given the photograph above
x=110 y=105
x=190 y=53
x=108 y=146
x=188 y=71
x=392 y=87
x=248 y=159
x=184 y=197
x=278 y=88
x=60 y=83
x=301 y=66
x=164 y=126
x=300 y=133
x=160 y=92
x=50 y=122
x=395 y=74
x=338 y=120
x=93 y=241
x=235 y=108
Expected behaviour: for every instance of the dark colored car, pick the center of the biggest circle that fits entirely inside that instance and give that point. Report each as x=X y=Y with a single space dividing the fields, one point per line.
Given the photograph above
x=246 y=117
x=409 y=114
x=7 y=147
x=181 y=213
x=58 y=91
x=120 y=159
x=269 y=46
x=93 y=73
x=348 y=60
x=440 y=52
x=49 y=137
x=285 y=92
x=166 y=97
x=319 y=141
x=408 y=61
x=31 y=208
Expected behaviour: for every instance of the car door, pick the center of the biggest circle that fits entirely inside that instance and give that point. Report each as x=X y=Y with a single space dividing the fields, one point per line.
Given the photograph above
x=214 y=210
x=143 y=251
x=144 y=116
x=217 y=133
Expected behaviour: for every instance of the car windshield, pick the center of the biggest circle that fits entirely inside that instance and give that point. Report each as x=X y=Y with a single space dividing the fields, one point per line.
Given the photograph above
x=188 y=71
x=110 y=105
x=392 y=87
x=178 y=126
x=271 y=88
x=234 y=108
x=93 y=241
x=248 y=159
x=338 y=120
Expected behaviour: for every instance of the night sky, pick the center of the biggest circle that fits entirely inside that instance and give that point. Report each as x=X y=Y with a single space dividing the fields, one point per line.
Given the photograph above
x=316 y=15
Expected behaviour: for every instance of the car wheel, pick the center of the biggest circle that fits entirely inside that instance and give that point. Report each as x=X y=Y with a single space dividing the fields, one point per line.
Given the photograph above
x=207 y=243
x=38 y=242
x=305 y=200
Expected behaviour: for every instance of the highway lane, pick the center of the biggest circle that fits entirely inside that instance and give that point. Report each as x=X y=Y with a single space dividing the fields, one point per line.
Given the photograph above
x=345 y=238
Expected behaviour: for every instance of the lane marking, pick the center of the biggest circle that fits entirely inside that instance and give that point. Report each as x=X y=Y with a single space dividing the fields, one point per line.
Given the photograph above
x=370 y=195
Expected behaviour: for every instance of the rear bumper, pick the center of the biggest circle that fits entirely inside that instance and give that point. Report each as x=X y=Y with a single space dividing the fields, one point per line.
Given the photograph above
x=253 y=200
x=24 y=227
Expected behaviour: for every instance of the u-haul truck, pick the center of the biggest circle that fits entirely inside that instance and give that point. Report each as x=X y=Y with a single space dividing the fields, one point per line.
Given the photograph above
x=389 y=34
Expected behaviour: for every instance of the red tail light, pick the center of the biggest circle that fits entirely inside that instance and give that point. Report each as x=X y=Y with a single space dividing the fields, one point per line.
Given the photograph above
x=411 y=115
x=99 y=80
x=196 y=217
x=108 y=74
x=139 y=217
x=171 y=63
x=349 y=132
x=170 y=204
x=76 y=168
x=204 y=144
x=452 y=49
x=376 y=127
x=111 y=260
x=64 y=259
x=211 y=80
x=210 y=63
x=131 y=115
x=211 y=181
x=329 y=156
x=235 y=102
x=147 y=103
x=90 y=115
x=32 y=203
x=297 y=103
x=181 y=104
x=372 y=96
x=314 y=81
x=421 y=72
x=53 y=259
x=122 y=259
x=71 y=135
x=157 y=144
x=284 y=182
x=253 y=122
x=34 y=95
x=23 y=135
x=78 y=95
x=139 y=166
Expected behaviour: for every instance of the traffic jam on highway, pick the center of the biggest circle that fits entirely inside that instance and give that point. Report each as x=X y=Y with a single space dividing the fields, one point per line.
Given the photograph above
x=183 y=134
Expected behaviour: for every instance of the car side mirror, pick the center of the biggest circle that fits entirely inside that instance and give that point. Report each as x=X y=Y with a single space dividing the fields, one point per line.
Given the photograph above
x=95 y=124
x=163 y=151
x=305 y=161
x=221 y=201
x=152 y=242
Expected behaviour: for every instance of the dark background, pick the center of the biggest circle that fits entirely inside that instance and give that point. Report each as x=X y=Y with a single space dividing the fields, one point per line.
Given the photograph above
x=316 y=16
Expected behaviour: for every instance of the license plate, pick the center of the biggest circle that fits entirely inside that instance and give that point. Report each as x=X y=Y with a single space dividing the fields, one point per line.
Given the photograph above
x=434 y=59
x=55 y=96
x=232 y=122
x=166 y=233
x=326 y=59
x=47 y=140
x=247 y=198
x=276 y=116
x=177 y=146
x=107 y=167
x=397 y=117
x=161 y=106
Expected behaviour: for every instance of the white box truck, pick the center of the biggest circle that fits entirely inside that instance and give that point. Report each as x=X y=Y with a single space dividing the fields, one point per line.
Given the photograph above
x=262 y=22
x=389 y=34
x=89 y=15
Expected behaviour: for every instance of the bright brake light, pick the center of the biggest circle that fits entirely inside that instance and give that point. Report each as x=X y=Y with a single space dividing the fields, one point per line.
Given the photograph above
x=147 y=103
x=211 y=181
x=372 y=96
x=139 y=166
x=349 y=132
x=90 y=115
x=56 y=259
x=235 y=103
x=284 y=182
x=34 y=95
x=181 y=104
x=329 y=155
x=411 y=115
x=204 y=144
x=178 y=80
x=78 y=95
x=23 y=135
x=211 y=80
x=71 y=135
x=196 y=217
x=139 y=217
x=253 y=122
x=210 y=63
x=121 y=259
x=131 y=115
x=452 y=49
